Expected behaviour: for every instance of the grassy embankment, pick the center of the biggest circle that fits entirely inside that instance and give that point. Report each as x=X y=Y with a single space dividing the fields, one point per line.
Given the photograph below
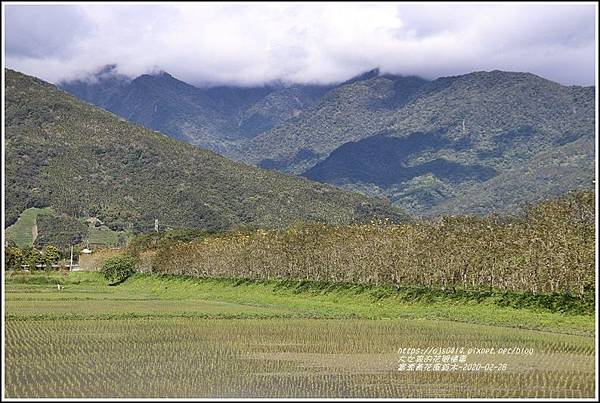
x=88 y=296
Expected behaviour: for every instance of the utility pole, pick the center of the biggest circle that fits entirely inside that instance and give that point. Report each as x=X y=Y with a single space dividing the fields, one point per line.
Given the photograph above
x=71 y=265
x=156 y=225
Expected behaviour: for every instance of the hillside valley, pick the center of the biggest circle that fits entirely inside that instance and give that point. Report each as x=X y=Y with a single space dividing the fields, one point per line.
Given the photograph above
x=425 y=145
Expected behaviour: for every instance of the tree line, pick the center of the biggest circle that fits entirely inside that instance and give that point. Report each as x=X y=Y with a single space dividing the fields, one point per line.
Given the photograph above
x=17 y=258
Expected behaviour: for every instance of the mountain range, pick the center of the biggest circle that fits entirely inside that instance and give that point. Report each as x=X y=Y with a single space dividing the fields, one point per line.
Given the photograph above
x=217 y=118
x=474 y=143
x=85 y=162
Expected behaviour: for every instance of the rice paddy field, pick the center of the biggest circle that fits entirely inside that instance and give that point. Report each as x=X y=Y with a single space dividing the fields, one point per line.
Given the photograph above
x=157 y=336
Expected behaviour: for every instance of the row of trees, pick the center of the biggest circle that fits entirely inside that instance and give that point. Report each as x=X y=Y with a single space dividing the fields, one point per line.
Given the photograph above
x=16 y=258
x=549 y=249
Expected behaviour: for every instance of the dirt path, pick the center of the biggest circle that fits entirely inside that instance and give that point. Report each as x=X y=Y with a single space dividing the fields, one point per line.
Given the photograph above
x=34 y=233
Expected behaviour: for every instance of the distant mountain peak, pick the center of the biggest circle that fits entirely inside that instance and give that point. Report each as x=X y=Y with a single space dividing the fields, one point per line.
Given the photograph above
x=367 y=75
x=108 y=72
x=157 y=72
x=162 y=79
x=107 y=69
x=499 y=75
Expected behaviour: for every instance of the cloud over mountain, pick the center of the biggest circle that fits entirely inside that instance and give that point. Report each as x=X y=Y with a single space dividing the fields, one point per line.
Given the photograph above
x=257 y=43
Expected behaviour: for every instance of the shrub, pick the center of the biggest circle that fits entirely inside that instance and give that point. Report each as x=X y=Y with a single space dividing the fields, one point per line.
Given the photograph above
x=13 y=257
x=51 y=255
x=118 y=268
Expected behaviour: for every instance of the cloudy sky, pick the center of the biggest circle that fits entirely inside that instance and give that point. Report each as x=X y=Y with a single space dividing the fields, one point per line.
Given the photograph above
x=258 y=42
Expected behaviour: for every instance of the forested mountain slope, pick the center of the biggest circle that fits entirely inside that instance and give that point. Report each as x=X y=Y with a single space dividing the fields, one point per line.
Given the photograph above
x=421 y=144
x=216 y=117
x=86 y=162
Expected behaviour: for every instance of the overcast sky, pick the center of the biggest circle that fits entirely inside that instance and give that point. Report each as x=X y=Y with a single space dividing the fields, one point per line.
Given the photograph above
x=255 y=43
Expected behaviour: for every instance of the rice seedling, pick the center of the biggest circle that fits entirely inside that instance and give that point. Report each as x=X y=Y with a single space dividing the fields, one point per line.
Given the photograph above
x=148 y=338
x=281 y=358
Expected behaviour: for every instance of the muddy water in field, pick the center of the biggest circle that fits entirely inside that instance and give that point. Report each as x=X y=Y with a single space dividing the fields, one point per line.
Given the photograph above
x=190 y=357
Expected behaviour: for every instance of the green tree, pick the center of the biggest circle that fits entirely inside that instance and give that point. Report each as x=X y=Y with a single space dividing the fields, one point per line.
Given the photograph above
x=118 y=268
x=32 y=257
x=51 y=255
x=13 y=257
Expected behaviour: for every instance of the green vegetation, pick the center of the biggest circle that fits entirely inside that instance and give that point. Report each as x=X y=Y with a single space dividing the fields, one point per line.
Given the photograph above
x=157 y=240
x=85 y=162
x=13 y=256
x=545 y=176
x=32 y=258
x=455 y=145
x=117 y=269
x=21 y=232
x=429 y=147
x=103 y=235
x=216 y=118
x=90 y=296
x=169 y=336
x=60 y=231
x=283 y=288
x=51 y=255
x=548 y=250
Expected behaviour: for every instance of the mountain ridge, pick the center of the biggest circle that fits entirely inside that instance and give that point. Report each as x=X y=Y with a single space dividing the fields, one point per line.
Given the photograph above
x=499 y=119
x=215 y=117
x=87 y=162
x=490 y=120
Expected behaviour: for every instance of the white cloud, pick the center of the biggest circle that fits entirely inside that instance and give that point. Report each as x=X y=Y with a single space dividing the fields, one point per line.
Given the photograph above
x=258 y=42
